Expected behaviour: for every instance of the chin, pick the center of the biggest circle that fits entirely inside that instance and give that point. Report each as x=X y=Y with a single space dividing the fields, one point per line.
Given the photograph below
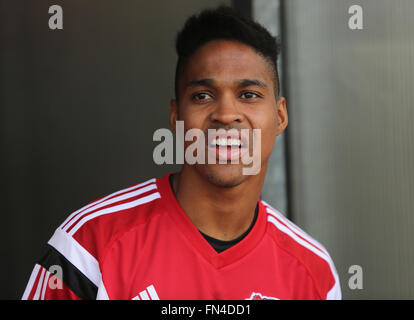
x=225 y=176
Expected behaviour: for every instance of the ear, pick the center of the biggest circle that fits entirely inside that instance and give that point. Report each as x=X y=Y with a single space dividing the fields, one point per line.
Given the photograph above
x=282 y=116
x=173 y=114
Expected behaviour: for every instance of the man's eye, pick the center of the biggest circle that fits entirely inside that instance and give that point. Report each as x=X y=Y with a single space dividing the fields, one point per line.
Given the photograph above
x=202 y=96
x=249 y=95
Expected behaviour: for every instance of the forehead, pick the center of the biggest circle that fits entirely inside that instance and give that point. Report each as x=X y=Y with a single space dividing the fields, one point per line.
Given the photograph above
x=227 y=61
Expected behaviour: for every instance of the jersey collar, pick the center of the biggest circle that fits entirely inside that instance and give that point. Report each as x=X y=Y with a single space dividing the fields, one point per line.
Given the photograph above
x=195 y=238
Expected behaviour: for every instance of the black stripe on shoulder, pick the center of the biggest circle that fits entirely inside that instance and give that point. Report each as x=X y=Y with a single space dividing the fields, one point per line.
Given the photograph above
x=73 y=278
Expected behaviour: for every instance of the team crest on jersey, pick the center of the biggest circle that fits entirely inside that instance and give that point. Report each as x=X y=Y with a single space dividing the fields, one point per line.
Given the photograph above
x=259 y=296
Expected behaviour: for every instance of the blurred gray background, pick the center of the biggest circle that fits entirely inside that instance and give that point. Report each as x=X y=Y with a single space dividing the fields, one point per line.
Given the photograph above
x=351 y=137
x=79 y=106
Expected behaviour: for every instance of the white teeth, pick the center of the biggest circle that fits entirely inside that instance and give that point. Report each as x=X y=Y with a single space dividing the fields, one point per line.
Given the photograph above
x=223 y=142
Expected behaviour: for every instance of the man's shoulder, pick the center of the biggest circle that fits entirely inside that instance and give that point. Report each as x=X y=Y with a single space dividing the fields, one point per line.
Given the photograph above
x=306 y=250
x=93 y=227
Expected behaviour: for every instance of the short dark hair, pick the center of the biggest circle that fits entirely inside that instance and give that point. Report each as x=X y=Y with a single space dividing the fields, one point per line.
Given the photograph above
x=224 y=23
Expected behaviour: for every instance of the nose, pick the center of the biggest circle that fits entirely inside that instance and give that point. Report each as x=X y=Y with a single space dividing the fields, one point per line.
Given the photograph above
x=226 y=110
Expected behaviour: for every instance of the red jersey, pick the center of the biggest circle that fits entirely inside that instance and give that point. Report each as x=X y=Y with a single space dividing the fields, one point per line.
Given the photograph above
x=139 y=244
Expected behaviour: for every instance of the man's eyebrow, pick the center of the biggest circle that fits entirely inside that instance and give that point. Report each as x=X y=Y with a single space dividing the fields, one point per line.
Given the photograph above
x=251 y=82
x=207 y=82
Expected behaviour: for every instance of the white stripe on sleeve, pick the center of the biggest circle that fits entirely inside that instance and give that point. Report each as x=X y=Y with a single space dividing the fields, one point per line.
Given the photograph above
x=39 y=285
x=45 y=284
x=31 y=282
x=120 y=207
x=103 y=199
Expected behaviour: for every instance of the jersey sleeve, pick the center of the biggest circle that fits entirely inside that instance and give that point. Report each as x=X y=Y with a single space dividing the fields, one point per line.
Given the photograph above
x=44 y=285
x=335 y=292
x=64 y=271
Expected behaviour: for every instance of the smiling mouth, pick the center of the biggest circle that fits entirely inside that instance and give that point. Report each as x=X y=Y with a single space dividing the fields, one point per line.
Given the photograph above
x=226 y=149
x=226 y=142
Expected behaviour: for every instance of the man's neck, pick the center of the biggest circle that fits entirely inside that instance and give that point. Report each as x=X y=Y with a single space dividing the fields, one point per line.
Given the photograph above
x=219 y=212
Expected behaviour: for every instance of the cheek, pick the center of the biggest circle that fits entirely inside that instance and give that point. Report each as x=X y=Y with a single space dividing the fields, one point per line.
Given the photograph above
x=268 y=134
x=268 y=142
x=191 y=118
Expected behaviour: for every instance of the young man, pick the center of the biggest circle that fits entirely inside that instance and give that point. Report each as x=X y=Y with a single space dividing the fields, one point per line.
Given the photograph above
x=202 y=233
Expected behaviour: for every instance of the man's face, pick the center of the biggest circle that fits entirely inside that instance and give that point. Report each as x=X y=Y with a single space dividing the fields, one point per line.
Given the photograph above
x=227 y=85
